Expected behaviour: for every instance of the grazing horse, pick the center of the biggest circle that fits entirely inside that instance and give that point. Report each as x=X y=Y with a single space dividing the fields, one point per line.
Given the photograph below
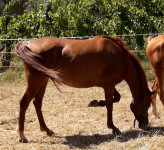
x=155 y=54
x=101 y=61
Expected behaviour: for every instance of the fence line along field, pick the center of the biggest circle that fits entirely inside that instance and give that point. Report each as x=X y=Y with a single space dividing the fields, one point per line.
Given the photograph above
x=76 y=126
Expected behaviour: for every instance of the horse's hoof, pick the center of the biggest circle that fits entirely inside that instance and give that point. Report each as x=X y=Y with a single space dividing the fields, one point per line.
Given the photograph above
x=23 y=140
x=93 y=103
x=50 y=133
x=117 y=131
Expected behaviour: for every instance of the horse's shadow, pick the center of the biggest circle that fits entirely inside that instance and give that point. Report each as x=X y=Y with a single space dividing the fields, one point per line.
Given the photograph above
x=84 y=141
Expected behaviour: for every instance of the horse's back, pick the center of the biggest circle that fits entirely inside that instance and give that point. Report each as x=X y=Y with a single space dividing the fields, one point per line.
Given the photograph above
x=155 y=54
x=76 y=47
x=82 y=63
x=91 y=62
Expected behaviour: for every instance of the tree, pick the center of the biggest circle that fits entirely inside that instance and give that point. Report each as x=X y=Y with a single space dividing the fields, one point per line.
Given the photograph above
x=63 y=18
x=9 y=9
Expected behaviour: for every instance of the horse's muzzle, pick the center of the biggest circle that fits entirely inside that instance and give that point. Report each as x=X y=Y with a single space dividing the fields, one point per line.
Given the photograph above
x=143 y=126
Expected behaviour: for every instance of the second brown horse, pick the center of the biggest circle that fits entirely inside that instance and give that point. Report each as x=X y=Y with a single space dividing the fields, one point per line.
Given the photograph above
x=155 y=54
x=101 y=61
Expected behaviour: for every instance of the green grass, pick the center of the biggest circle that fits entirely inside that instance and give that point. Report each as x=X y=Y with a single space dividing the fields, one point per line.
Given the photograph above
x=146 y=65
x=75 y=125
x=148 y=70
x=14 y=73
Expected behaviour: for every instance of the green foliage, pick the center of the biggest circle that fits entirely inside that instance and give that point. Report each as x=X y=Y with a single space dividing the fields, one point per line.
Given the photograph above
x=85 y=18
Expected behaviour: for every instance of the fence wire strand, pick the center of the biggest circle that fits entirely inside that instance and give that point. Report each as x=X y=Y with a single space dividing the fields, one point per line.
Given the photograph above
x=13 y=54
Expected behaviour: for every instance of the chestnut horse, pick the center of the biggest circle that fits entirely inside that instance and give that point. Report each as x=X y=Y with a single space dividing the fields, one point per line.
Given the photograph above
x=155 y=54
x=100 y=61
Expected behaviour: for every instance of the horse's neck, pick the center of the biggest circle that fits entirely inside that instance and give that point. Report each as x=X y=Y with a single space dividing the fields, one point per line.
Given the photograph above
x=136 y=80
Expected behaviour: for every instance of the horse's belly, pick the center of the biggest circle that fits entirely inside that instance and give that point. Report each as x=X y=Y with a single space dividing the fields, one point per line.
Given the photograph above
x=89 y=71
x=80 y=83
x=91 y=78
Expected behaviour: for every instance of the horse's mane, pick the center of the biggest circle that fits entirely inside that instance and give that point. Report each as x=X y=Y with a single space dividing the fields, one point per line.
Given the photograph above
x=123 y=45
x=135 y=59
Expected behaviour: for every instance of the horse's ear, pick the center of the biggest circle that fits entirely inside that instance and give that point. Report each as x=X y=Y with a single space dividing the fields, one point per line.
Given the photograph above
x=149 y=39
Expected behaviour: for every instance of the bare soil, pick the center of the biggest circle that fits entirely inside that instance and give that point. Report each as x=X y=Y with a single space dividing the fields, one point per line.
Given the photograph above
x=76 y=126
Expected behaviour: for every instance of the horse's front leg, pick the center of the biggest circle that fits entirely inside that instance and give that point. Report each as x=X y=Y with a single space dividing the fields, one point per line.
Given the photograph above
x=109 y=91
x=154 y=107
x=102 y=103
x=155 y=89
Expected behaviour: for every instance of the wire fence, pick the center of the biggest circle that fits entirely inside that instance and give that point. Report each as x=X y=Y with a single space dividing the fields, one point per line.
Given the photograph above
x=8 y=58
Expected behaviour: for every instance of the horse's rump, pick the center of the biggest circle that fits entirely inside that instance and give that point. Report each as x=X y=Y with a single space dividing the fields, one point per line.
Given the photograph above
x=32 y=59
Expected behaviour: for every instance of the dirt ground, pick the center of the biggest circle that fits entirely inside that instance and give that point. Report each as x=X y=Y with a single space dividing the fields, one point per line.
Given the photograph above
x=76 y=126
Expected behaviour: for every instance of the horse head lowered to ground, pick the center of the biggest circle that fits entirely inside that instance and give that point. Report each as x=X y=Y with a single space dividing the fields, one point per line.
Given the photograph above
x=101 y=61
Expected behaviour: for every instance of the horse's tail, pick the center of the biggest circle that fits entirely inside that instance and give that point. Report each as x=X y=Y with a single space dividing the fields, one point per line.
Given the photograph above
x=32 y=59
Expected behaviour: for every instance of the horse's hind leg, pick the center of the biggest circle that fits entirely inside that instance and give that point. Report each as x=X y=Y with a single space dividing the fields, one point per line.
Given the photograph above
x=38 y=105
x=24 y=103
x=35 y=80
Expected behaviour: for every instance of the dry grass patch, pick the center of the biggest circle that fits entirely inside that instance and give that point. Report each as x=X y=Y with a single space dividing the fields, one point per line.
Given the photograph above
x=75 y=125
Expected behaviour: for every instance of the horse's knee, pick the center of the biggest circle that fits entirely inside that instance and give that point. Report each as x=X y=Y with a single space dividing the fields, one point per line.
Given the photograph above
x=102 y=103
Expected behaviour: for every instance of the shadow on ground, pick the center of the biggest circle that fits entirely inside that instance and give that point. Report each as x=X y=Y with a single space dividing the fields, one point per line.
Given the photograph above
x=84 y=141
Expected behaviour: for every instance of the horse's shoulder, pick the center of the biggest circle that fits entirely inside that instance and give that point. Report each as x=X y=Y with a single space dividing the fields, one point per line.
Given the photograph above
x=155 y=44
x=156 y=41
